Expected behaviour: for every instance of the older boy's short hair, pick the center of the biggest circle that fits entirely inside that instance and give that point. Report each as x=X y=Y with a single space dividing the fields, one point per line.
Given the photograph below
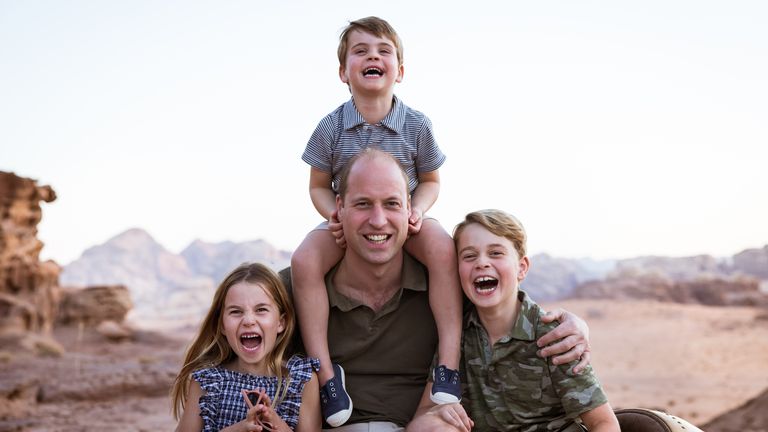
x=498 y=222
x=375 y=26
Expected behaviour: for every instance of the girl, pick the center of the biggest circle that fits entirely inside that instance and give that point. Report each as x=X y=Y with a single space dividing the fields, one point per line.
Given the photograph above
x=234 y=377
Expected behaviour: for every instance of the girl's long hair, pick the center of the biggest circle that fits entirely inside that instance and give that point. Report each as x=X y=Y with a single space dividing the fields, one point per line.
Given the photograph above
x=210 y=347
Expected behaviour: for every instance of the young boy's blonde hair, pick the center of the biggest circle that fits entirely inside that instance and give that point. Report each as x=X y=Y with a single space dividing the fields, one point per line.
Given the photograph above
x=499 y=223
x=372 y=25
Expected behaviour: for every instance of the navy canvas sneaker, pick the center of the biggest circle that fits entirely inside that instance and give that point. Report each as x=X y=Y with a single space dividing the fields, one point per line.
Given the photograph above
x=334 y=400
x=446 y=387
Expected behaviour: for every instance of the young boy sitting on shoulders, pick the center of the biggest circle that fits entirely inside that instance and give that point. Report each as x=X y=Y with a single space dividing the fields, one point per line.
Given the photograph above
x=371 y=63
x=509 y=387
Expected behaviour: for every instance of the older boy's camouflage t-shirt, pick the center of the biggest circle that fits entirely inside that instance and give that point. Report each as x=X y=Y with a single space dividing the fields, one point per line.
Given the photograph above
x=510 y=388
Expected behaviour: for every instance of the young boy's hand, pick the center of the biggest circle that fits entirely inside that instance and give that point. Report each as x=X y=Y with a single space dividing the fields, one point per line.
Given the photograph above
x=414 y=222
x=334 y=226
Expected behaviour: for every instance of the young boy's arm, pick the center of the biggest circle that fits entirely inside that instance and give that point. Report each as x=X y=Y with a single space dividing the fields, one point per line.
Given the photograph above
x=424 y=196
x=323 y=197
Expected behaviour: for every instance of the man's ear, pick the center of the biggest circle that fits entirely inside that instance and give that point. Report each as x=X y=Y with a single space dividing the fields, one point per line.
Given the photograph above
x=525 y=265
x=339 y=207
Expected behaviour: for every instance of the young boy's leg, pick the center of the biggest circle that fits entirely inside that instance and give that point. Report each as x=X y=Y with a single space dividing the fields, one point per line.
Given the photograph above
x=434 y=248
x=314 y=257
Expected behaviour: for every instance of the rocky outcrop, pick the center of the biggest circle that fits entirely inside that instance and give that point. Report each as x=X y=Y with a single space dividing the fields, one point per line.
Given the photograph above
x=94 y=304
x=29 y=289
x=752 y=416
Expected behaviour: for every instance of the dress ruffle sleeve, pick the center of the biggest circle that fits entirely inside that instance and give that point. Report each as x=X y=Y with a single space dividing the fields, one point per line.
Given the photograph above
x=210 y=381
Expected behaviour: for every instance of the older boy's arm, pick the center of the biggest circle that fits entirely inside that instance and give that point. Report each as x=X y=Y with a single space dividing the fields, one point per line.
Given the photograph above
x=424 y=196
x=569 y=340
x=323 y=197
x=443 y=418
x=601 y=419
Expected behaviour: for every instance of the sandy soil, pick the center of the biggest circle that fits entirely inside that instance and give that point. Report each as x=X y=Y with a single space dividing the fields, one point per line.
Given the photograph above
x=693 y=361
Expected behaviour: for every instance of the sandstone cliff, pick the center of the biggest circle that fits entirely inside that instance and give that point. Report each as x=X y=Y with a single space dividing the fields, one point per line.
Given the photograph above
x=29 y=289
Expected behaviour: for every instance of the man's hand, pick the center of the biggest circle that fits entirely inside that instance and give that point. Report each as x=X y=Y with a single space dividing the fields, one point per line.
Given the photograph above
x=335 y=227
x=569 y=340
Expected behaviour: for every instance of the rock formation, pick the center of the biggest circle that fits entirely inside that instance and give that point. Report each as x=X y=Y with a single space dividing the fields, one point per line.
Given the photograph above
x=706 y=290
x=29 y=289
x=752 y=416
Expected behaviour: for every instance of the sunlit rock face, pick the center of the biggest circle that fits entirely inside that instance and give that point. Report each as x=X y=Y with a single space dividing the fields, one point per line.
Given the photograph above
x=29 y=291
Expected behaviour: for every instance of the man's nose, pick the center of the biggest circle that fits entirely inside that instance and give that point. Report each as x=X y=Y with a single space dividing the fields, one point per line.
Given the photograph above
x=378 y=217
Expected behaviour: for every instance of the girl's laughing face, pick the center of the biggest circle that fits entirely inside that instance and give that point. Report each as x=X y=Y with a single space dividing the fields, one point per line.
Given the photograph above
x=251 y=322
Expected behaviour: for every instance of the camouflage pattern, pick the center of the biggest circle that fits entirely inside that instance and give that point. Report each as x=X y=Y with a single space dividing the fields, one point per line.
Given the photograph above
x=509 y=388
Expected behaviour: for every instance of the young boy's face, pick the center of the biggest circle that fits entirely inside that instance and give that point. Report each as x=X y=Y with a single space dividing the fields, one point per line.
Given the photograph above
x=371 y=65
x=490 y=268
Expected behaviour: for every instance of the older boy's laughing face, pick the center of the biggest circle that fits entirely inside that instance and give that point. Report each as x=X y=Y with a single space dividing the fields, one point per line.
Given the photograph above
x=371 y=64
x=490 y=268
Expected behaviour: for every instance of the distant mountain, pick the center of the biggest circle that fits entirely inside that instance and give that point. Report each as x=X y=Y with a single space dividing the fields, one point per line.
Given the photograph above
x=551 y=278
x=167 y=289
x=215 y=260
x=172 y=289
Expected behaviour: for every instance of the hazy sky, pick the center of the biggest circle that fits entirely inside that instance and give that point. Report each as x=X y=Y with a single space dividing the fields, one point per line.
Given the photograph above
x=610 y=128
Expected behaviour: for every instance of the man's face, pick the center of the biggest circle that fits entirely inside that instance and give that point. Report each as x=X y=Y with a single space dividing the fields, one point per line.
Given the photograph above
x=374 y=212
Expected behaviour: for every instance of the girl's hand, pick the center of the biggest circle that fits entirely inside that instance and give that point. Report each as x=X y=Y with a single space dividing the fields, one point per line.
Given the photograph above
x=334 y=226
x=265 y=418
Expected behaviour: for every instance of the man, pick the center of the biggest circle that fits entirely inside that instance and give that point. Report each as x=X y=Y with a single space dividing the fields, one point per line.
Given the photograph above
x=380 y=329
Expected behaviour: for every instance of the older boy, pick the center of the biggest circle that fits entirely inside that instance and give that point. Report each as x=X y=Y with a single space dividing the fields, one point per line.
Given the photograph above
x=509 y=387
x=371 y=63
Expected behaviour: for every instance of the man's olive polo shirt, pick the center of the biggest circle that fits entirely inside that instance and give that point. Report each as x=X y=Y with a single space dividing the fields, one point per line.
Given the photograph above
x=386 y=354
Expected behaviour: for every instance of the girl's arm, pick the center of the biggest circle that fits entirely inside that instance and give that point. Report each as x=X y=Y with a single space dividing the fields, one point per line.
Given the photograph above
x=190 y=420
x=309 y=413
x=601 y=419
x=424 y=196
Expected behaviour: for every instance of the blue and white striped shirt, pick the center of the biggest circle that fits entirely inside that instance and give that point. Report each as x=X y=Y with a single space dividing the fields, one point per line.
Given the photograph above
x=404 y=133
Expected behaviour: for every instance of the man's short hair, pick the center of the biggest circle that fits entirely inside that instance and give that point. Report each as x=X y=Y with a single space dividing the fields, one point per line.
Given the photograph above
x=370 y=154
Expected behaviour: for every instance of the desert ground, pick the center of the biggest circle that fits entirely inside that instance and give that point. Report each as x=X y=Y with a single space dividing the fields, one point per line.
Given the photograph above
x=692 y=361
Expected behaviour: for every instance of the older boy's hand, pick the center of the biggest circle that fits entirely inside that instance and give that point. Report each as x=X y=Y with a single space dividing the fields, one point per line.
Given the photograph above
x=569 y=340
x=414 y=221
x=335 y=227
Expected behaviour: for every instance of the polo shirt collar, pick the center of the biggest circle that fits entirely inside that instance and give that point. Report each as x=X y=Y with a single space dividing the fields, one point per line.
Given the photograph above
x=524 y=327
x=394 y=120
x=413 y=278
